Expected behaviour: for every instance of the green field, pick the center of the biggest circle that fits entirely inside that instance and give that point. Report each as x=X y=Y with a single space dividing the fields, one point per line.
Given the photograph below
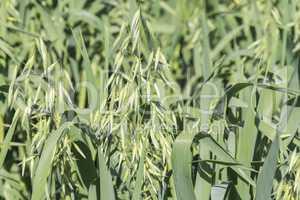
x=150 y=99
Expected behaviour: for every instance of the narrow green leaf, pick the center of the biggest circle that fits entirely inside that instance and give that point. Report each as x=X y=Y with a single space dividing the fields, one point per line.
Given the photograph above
x=106 y=185
x=219 y=191
x=44 y=164
x=182 y=164
x=266 y=174
x=139 y=179
x=92 y=195
x=223 y=156
x=247 y=139
x=207 y=64
x=90 y=77
x=8 y=138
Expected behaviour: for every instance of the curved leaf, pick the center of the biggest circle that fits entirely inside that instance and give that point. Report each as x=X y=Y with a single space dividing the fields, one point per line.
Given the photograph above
x=44 y=164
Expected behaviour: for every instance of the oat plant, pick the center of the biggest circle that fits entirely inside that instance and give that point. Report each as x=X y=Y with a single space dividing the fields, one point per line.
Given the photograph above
x=149 y=99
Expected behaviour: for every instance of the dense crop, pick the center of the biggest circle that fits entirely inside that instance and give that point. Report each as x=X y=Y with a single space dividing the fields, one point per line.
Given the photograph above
x=153 y=99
